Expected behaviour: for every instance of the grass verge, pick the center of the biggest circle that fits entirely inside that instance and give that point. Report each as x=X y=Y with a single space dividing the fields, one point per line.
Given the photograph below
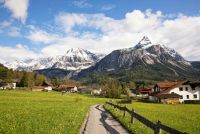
x=183 y=117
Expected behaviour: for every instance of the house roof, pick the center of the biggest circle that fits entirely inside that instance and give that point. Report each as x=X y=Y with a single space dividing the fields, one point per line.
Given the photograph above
x=165 y=96
x=166 y=84
x=169 y=86
x=172 y=87
x=194 y=84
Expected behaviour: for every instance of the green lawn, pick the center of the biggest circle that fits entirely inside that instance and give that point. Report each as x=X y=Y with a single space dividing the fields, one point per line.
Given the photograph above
x=183 y=117
x=43 y=112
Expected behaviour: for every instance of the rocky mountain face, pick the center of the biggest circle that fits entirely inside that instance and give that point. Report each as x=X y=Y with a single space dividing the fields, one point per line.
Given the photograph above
x=144 y=54
x=73 y=60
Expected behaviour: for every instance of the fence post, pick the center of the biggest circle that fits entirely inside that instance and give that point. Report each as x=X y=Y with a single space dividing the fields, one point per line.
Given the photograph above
x=120 y=109
x=157 y=129
x=124 y=111
x=132 y=121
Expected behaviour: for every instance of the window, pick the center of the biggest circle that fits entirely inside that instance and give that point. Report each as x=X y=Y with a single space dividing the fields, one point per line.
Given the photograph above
x=186 y=88
x=181 y=96
x=180 y=89
x=187 y=97
x=195 y=96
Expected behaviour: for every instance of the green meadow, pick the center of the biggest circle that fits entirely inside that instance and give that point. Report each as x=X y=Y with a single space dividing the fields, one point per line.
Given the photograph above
x=183 y=117
x=43 y=112
x=53 y=113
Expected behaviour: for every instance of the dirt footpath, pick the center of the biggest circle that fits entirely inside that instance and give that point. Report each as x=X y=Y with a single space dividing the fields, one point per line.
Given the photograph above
x=101 y=122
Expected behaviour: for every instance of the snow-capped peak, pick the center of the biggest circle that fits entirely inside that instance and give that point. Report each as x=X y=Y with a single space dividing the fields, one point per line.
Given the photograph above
x=80 y=53
x=144 y=43
x=73 y=59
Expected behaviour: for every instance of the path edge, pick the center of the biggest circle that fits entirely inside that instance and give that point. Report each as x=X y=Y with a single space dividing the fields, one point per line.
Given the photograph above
x=84 y=124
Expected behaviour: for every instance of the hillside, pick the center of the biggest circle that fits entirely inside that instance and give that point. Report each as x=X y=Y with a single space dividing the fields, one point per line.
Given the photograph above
x=54 y=72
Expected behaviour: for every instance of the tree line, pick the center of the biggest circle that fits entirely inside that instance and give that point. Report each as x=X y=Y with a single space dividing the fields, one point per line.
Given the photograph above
x=29 y=79
x=23 y=78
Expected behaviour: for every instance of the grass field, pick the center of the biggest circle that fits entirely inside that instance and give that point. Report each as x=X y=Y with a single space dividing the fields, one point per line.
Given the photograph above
x=183 y=117
x=43 y=112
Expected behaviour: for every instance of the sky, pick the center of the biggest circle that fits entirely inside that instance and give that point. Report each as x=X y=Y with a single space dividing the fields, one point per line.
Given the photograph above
x=42 y=28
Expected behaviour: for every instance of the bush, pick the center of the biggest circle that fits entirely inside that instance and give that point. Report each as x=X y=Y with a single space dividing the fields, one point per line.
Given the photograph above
x=192 y=101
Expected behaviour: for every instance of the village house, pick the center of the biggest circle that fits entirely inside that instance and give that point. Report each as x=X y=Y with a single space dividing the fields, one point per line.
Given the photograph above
x=96 y=92
x=69 y=88
x=41 y=88
x=145 y=91
x=175 y=92
x=8 y=85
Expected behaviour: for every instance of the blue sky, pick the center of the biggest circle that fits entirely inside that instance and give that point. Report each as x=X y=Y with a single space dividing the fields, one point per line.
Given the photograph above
x=38 y=28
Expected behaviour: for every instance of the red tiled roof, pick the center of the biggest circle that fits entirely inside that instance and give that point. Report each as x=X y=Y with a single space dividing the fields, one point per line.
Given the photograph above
x=172 y=87
x=168 y=87
x=166 y=84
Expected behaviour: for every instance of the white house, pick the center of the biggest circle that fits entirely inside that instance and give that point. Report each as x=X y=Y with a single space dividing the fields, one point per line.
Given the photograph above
x=69 y=88
x=187 y=91
x=41 y=88
x=9 y=86
x=48 y=88
x=74 y=89
x=96 y=92
x=176 y=92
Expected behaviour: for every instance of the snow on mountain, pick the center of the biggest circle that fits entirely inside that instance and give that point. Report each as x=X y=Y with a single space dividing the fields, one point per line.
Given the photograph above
x=74 y=59
x=158 y=51
x=144 y=43
x=142 y=54
x=77 y=59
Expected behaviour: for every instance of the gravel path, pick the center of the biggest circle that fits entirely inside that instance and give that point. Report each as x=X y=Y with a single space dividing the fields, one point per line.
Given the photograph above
x=101 y=122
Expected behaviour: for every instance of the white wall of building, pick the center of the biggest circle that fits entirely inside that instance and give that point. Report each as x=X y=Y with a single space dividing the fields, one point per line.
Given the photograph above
x=187 y=91
x=49 y=88
x=9 y=86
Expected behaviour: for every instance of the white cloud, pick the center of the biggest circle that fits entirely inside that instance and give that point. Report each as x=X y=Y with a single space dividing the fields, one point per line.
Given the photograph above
x=103 y=34
x=107 y=7
x=19 y=52
x=180 y=32
x=18 y=8
x=82 y=3
x=40 y=36
x=69 y=20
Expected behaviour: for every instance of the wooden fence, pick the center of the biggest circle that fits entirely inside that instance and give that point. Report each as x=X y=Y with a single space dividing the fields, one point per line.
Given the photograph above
x=156 y=127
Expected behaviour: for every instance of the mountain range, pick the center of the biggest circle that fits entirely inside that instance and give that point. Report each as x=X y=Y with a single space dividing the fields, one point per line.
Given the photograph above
x=149 y=59
x=73 y=60
x=144 y=61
